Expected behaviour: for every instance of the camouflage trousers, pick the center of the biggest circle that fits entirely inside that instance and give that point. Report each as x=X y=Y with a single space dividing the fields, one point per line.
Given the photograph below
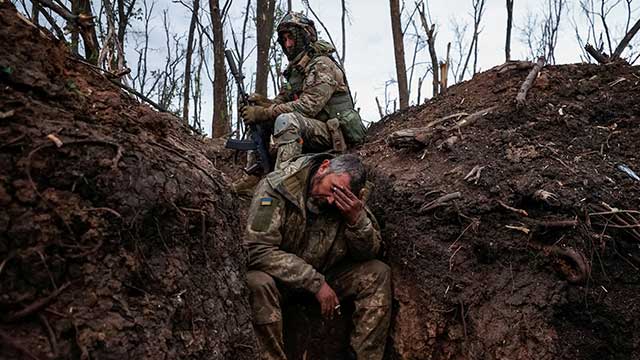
x=368 y=283
x=294 y=134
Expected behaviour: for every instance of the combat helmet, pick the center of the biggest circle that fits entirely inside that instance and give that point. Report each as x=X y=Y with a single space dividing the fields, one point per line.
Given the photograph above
x=301 y=28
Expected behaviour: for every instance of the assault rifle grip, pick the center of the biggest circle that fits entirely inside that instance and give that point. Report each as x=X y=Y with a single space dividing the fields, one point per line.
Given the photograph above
x=256 y=130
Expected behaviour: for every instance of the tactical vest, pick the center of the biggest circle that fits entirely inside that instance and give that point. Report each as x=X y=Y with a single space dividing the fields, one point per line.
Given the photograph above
x=339 y=106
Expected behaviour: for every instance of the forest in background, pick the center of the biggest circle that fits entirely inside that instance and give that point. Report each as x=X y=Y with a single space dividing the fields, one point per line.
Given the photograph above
x=149 y=46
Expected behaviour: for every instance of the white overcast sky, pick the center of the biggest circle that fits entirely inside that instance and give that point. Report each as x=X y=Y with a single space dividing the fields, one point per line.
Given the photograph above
x=370 y=54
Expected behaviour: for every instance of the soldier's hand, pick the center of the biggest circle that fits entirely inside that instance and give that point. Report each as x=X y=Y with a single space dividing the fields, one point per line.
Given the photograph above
x=348 y=203
x=254 y=114
x=328 y=300
x=259 y=99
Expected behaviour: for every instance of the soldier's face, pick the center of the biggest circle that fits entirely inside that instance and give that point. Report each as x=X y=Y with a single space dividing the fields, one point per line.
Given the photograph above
x=288 y=41
x=323 y=183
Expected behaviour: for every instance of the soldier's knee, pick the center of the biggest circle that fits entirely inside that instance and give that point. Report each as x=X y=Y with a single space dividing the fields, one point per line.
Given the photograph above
x=376 y=284
x=259 y=281
x=286 y=128
x=381 y=272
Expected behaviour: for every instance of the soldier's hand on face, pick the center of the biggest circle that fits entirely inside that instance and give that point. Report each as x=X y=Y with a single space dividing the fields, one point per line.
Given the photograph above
x=328 y=300
x=254 y=114
x=348 y=203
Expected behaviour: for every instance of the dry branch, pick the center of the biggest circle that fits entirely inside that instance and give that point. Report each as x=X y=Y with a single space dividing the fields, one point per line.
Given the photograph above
x=514 y=65
x=441 y=201
x=625 y=41
x=521 y=98
x=600 y=57
x=37 y=305
x=419 y=137
x=515 y=210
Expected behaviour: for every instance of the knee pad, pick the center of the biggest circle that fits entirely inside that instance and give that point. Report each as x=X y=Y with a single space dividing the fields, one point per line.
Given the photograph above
x=286 y=128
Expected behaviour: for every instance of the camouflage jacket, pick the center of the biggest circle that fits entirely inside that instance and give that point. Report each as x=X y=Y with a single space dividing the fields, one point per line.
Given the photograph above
x=292 y=244
x=314 y=82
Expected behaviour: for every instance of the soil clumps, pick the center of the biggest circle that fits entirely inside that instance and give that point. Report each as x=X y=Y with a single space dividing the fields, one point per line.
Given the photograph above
x=516 y=236
x=118 y=237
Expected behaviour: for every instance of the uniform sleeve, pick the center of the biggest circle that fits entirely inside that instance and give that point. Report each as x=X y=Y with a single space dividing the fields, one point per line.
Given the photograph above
x=281 y=98
x=263 y=239
x=363 y=238
x=319 y=85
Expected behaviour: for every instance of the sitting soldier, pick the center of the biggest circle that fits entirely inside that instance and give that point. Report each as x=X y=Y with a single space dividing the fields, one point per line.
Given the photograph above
x=314 y=111
x=307 y=230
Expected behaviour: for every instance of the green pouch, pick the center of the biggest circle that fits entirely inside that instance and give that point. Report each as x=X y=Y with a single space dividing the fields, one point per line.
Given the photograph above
x=352 y=128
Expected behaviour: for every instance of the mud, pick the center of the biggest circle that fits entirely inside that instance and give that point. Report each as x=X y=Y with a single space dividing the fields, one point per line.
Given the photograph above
x=118 y=237
x=474 y=280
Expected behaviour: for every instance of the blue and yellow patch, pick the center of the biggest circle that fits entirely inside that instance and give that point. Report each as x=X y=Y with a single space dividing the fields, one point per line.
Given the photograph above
x=266 y=201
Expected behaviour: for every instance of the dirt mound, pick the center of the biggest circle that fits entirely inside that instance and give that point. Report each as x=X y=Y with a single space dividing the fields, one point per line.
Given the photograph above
x=528 y=256
x=118 y=237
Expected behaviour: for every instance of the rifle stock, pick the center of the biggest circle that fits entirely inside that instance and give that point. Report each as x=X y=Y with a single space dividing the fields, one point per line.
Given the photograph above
x=257 y=133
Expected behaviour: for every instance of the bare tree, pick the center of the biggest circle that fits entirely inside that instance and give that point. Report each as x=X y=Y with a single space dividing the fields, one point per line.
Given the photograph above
x=188 y=57
x=478 y=11
x=141 y=76
x=264 y=32
x=83 y=21
x=168 y=81
x=221 y=124
x=343 y=19
x=459 y=34
x=430 y=30
x=507 y=46
x=541 y=35
x=398 y=43
x=111 y=55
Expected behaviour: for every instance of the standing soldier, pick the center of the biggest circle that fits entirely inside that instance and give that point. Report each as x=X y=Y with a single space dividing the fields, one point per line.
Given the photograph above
x=307 y=230
x=314 y=110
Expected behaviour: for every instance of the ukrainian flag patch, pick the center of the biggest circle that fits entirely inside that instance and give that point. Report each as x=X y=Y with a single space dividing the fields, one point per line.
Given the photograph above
x=266 y=201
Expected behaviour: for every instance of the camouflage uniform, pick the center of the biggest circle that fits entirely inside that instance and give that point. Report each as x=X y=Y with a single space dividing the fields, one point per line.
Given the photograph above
x=315 y=91
x=294 y=247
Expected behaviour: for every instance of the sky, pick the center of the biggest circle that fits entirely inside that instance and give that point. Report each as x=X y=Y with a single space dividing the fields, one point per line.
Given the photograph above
x=370 y=64
x=370 y=57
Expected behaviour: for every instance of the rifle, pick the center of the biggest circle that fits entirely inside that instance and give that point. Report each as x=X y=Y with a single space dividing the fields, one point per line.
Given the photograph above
x=256 y=143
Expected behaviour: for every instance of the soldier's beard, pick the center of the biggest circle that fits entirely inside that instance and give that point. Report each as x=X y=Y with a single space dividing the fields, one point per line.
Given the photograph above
x=318 y=204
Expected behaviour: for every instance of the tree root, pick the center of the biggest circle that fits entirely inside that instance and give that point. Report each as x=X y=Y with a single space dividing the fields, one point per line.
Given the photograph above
x=576 y=269
x=36 y=305
x=441 y=201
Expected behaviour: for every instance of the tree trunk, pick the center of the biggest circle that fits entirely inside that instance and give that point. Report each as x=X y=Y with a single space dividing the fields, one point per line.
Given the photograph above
x=431 y=41
x=507 y=46
x=264 y=31
x=221 y=125
x=189 y=56
x=398 y=44
x=88 y=33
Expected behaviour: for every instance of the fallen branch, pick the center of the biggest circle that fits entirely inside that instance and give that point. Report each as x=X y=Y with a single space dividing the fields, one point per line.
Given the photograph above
x=597 y=55
x=419 y=137
x=474 y=174
x=37 y=305
x=515 y=210
x=514 y=65
x=441 y=201
x=521 y=98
